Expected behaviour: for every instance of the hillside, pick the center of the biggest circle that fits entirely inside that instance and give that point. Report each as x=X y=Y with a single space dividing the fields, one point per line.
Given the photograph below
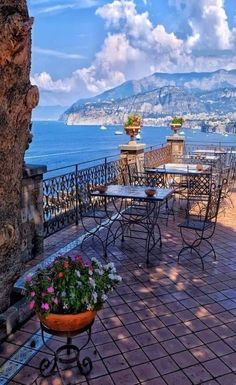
x=159 y=95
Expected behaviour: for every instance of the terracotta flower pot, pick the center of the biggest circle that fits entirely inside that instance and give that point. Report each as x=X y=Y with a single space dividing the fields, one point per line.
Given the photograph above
x=67 y=322
x=199 y=167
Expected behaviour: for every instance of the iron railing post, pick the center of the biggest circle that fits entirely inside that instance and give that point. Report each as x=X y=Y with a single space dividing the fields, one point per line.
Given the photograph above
x=105 y=170
x=76 y=195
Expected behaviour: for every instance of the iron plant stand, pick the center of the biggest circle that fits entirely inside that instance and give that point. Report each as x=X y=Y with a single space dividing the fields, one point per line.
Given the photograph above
x=65 y=354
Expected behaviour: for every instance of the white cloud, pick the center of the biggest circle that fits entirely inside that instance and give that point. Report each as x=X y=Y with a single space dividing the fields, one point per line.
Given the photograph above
x=134 y=47
x=52 y=6
x=110 y=63
x=45 y=82
x=59 y=54
x=208 y=22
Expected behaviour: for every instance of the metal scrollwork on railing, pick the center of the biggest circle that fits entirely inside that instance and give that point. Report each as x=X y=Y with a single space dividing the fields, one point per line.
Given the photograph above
x=62 y=194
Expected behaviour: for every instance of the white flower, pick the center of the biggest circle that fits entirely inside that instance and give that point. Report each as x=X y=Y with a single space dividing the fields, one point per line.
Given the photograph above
x=104 y=297
x=90 y=272
x=79 y=284
x=89 y=307
x=92 y=283
x=63 y=294
x=109 y=266
x=94 y=297
x=114 y=277
x=65 y=306
x=99 y=271
x=93 y=259
x=78 y=273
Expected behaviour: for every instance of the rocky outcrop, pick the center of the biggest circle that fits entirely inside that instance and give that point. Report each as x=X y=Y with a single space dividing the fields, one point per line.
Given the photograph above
x=17 y=98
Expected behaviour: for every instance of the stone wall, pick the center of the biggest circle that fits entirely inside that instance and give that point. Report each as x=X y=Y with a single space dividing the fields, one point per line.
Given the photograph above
x=32 y=212
x=17 y=99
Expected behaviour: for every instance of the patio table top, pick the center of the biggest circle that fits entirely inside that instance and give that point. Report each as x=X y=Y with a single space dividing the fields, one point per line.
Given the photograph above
x=180 y=169
x=210 y=151
x=134 y=192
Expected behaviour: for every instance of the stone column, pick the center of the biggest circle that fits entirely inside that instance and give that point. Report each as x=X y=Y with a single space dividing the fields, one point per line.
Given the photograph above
x=177 y=143
x=134 y=153
x=32 y=212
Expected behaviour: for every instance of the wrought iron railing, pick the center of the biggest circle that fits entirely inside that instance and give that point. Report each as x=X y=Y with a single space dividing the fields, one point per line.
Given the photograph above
x=63 y=192
x=156 y=156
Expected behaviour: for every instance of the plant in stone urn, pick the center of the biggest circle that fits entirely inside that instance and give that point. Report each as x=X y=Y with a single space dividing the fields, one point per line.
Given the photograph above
x=132 y=126
x=67 y=294
x=176 y=123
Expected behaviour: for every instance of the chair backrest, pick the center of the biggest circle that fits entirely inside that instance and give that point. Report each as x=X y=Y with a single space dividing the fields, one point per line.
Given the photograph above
x=148 y=179
x=214 y=202
x=199 y=186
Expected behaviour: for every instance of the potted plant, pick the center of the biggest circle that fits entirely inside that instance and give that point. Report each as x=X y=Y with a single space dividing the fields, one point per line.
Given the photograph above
x=176 y=123
x=132 y=126
x=67 y=294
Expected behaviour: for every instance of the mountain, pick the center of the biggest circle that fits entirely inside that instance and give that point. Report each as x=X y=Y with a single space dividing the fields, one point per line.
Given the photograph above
x=159 y=95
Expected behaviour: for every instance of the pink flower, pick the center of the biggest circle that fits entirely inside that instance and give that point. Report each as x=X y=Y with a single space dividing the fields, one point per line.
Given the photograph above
x=28 y=278
x=32 y=305
x=32 y=294
x=45 y=306
x=55 y=300
x=50 y=289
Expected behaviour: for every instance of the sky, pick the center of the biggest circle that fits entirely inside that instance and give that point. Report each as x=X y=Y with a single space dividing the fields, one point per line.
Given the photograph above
x=81 y=48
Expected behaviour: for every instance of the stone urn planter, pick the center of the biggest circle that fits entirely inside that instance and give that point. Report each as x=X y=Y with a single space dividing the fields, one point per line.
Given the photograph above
x=175 y=127
x=132 y=127
x=176 y=123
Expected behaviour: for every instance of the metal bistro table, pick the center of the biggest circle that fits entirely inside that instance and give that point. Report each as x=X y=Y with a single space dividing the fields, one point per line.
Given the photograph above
x=137 y=214
x=179 y=169
x=184 y=177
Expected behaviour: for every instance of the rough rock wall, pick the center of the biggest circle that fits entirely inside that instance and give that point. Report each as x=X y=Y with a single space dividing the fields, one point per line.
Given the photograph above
x=17 y=98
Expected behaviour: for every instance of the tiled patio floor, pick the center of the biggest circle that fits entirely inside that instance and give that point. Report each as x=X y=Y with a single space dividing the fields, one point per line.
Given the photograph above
x=168 y=324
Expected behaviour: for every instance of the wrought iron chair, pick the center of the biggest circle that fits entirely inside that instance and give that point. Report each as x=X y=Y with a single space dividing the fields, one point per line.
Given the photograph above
x=95 y=217
x=155 y=180
x=202 y=226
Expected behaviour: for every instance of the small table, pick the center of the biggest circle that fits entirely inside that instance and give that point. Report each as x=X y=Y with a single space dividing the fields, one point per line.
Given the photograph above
x=184 y=169
x=210 y=151
x=134 y=207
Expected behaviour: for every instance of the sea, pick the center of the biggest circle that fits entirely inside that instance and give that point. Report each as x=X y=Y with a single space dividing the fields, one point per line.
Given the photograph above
x=57 y=145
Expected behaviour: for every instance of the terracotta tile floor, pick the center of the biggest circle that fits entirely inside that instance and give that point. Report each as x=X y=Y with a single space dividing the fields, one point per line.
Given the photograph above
x=167 y=324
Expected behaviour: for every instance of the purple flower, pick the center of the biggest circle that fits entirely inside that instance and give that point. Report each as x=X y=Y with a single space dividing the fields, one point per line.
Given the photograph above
x=45 y=306
x=55 y=300
x=32 y=294
x=50 y=289
x=32 y=305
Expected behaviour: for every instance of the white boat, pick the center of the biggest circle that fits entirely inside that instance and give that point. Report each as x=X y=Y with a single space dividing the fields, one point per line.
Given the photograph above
x=118 y=132
x=103 y=128
x=138 y=136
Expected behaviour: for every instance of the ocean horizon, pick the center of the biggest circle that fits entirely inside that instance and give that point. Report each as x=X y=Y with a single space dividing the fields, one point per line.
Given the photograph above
x=56 y=144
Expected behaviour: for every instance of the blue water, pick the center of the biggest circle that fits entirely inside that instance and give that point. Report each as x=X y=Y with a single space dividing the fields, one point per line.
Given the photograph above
x=57 y=145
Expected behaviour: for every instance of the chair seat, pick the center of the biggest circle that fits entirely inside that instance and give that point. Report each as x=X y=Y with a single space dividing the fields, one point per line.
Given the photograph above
x=195 y=224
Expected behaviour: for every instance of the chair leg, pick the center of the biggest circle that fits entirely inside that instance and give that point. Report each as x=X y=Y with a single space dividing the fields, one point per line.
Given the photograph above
x=192 y=249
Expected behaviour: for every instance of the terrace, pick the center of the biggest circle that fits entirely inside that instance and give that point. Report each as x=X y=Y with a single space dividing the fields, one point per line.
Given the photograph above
x=165 y=324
